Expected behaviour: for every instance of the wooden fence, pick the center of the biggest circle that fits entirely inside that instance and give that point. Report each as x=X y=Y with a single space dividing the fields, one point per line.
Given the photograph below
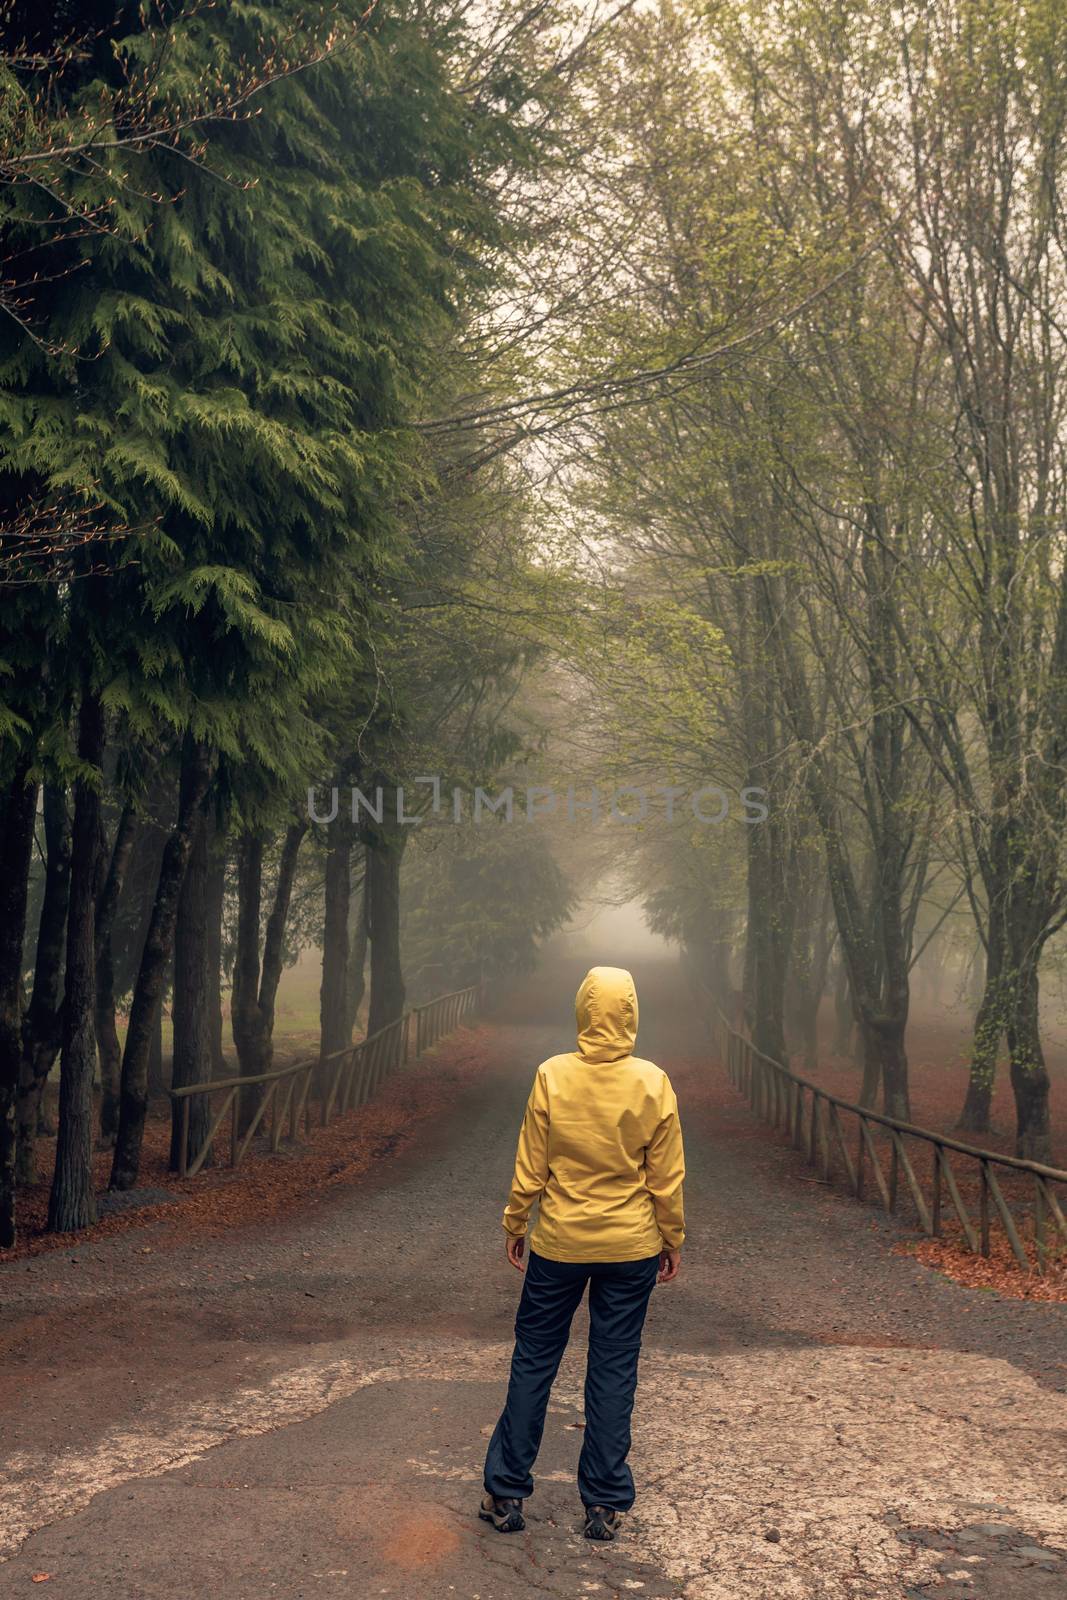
x=812 y=1119
x=315 y=1090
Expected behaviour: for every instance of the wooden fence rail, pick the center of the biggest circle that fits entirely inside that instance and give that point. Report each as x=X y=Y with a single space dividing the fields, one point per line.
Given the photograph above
x=812 y=1118
x=318 y=1089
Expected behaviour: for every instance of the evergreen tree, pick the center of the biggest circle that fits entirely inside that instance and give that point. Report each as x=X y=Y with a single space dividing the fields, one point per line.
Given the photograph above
x=228 y=368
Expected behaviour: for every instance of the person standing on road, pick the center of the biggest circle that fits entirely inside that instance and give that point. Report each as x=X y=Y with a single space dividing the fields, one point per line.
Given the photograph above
x=600 y=1150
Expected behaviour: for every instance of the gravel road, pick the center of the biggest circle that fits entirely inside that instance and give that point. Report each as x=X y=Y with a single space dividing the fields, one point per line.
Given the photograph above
x=301 y=1408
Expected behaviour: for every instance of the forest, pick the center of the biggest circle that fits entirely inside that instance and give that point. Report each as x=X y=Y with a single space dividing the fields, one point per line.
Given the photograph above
x=413 y=398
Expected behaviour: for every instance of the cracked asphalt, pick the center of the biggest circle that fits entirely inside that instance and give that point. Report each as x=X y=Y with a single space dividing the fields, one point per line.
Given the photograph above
x=300 y=1408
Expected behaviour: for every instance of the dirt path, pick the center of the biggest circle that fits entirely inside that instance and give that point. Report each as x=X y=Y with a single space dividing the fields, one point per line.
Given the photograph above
x=300 y=1408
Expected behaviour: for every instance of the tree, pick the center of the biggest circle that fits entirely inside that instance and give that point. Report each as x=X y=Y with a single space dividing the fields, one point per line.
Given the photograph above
x=17 y=841
x=336 y=1017
x=42 y=1025
x=72 y=1202
x=981 y=129
x=192 y=990
x=256 y=975
x=127 y=830
x=478 y=900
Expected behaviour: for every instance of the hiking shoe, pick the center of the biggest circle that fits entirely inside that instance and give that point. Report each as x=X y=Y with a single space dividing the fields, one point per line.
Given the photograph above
x=505 y=1515
x=601 y=1522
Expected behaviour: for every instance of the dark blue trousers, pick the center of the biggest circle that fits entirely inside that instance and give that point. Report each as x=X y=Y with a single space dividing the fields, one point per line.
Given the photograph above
x=618 y=1299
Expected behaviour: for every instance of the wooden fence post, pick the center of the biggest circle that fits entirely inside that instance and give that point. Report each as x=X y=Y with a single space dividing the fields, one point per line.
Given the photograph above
x=1039 y=1223
x=233 y=1125
x=183 y=1152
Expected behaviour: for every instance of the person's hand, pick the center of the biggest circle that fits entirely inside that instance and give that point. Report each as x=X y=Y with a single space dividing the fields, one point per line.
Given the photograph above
x=670 y=1262
x=515 y=1245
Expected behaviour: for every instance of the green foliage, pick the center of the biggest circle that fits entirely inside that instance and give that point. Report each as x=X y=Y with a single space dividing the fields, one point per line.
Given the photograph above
x=228 y=363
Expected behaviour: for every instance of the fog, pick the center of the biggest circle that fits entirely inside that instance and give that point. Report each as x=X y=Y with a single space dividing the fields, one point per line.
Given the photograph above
x=604 y=934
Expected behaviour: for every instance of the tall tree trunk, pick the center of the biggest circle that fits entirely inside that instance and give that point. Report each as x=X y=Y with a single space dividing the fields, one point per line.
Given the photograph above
x=890 y=1021
x=869 y=1040
x=1021 y=888
x=255 y=988
x=989 y=1025
x=887 y=1037
x=387 y=991
x=356 y=982
x=770 y=929
x=870 y=1052
x=159 y=945
x=771 y=910
x=251 y=1040
x=134 y=915
x=42 y=1027
x=749 y=1004
x=157 y=1077
x=1029 y=1074
x=813 y=985
x=108 y=1047
x=214 y=900
x=707 y=942
x=804 y=1000
x=806 y=980
x=844 y=1016
x=192 y=999
x=72 y=1203
x=874 y=951
x=333 y=995
x=274 y=936
x=16 y=849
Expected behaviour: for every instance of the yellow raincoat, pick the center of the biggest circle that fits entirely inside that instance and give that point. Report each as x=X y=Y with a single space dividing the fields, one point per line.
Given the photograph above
x=600 y=1147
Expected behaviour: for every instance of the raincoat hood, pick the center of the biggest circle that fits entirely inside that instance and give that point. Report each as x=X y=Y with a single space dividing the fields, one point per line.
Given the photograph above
x=606 y=1012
